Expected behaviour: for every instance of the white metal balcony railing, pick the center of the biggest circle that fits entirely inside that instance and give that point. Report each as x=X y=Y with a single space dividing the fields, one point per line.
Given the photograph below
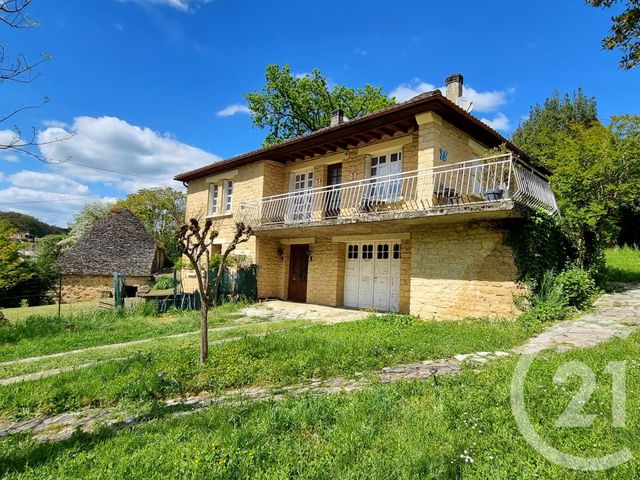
x=478 y=181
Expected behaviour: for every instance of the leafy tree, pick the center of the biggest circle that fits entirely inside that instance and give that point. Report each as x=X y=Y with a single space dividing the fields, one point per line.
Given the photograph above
x=596 y=172
x=162 y=212
x=535 y=135
x=12 y=264
x=290 y=106
x=48 y=250
x=86 y=218
x=625 y=31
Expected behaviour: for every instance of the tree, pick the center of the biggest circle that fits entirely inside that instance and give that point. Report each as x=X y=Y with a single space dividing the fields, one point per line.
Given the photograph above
x=12 y=264
x=19 y=69
x=86 y=218
x=596 y=172
x=290 y=106
x=625 y=31
x=195 y=243
x=162 y=211
x=535 y=135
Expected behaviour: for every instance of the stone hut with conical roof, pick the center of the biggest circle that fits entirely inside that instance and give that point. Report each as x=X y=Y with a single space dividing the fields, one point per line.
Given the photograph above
x=118 y=242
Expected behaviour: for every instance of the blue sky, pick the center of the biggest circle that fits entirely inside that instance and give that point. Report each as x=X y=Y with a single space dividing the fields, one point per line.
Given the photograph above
x=155 y=87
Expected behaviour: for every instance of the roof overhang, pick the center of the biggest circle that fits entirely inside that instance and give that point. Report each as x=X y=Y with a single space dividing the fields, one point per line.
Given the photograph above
x=387 y=122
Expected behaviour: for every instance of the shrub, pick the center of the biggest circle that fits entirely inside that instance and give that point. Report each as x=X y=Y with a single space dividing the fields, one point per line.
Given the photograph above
x=164 y=283
x=577 y=287
x=545 y=303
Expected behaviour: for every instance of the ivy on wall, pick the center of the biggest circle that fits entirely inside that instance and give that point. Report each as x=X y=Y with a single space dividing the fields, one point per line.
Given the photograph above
x=539 y=245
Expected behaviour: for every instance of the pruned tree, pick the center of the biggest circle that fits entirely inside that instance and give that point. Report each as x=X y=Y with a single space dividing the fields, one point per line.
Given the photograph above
x=19 y=69
x=195 y=243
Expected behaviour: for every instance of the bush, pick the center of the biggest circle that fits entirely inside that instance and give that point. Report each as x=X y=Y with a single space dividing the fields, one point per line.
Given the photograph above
x=544 y=304
x=577 y=287
x=164 y=283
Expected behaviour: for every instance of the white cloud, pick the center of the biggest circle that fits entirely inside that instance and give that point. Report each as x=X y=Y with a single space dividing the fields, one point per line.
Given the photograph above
x=487 y=101
x=55 y=208
x=127 y=157
x=360 y=51
x=409 y=90
x=1 y=176
x=182 y=5
x=302 y=75
x=55 y=123
x=499 y=122
x=234 y=109
x=47 y=181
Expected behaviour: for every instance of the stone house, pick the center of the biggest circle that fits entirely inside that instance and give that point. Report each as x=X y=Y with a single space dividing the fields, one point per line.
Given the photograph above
x=398 y=210
x=118 y=242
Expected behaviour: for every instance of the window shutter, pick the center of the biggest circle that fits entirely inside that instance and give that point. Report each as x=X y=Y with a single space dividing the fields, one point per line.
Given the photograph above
x=367 y=166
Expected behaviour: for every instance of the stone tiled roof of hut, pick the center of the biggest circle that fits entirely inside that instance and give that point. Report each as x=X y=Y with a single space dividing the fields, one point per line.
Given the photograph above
x=117 y=242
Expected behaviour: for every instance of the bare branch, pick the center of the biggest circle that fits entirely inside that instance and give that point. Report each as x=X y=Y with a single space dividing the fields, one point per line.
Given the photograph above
x=12 y=14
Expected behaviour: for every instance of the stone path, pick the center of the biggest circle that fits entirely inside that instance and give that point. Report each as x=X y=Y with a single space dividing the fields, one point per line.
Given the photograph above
x=62 y=426
x=614 y=315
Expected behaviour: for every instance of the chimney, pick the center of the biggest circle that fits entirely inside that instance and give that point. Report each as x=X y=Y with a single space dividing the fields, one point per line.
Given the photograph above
x=337 y=117
x=454 y=87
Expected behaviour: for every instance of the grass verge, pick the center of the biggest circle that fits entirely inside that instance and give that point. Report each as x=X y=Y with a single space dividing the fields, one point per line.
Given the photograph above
x=461 y=427
x=623 y=264
x=46 y=334
x=276 y=359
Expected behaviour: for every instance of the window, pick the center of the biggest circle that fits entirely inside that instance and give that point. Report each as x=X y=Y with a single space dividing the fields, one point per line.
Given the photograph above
x=396 y=251
x=228 y=195
x=367 y=252
x=213 y=199
x=387 y=164
x=389 y=188
x=383 y=251
x=352 y=252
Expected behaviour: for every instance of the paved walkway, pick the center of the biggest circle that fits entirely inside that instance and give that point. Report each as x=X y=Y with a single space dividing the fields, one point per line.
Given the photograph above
x=614 y=315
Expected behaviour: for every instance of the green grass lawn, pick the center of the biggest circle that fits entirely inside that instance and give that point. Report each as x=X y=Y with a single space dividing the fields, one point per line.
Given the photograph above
x=461 y=427
x=320 y=351
x=21 y=313
x=623 y=264
x=45 y=334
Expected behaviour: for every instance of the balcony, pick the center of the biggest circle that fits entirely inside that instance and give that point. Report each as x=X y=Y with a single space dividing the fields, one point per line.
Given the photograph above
x=497 y=182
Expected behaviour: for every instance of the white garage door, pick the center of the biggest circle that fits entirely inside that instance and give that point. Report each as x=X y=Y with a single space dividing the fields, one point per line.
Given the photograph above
x=372 y=275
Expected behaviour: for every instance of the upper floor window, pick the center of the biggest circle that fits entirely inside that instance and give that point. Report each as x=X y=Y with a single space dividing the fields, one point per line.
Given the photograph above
x=228 y=195
x=213 y=199
x=221 y=197
x=386 y=164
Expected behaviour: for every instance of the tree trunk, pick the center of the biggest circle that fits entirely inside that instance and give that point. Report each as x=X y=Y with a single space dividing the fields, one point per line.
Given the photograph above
x=204 y=330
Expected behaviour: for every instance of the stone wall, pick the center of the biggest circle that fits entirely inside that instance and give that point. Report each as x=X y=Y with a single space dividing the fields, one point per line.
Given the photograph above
x=80 y=288
x=462 y=270
x=249 y=184
x=325 y=282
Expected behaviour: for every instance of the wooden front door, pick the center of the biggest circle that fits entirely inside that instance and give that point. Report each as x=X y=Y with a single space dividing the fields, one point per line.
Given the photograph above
x=298 y=267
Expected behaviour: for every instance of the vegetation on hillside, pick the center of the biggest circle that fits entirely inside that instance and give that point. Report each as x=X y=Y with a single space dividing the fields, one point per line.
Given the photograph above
x=26 y=223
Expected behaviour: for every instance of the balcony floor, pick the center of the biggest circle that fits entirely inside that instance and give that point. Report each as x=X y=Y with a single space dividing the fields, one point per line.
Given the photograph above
x=394 y=222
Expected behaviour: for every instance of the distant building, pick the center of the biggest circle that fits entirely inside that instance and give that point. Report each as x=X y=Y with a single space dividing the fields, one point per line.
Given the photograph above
x=22 y=237
x=119 y=243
